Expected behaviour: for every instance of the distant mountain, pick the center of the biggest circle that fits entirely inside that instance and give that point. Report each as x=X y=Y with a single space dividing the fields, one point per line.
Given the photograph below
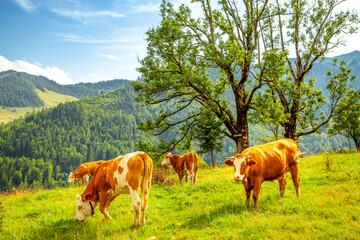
x=321 y=68
x=18 y=89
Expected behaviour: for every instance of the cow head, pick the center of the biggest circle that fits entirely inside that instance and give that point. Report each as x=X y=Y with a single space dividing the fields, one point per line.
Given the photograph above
x=166 y=161
x=84 y=208
x=71 y=178
x=241 y=165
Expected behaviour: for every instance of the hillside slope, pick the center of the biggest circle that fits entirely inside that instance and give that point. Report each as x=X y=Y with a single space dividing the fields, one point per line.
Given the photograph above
x=212 y=209
x=18 y=89
x=49 y=98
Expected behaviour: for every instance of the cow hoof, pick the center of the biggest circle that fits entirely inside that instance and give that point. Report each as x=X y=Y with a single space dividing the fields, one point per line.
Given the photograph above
x=135 y=226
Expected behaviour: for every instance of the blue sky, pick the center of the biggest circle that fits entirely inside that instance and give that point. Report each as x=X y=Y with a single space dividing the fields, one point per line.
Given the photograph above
x=73 y=41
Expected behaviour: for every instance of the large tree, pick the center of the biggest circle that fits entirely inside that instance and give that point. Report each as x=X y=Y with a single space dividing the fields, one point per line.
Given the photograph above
x=182 y=52
x=347 y=123
x=309 y=30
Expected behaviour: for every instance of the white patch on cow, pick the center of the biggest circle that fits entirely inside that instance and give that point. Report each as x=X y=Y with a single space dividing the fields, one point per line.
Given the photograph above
x=237 y=163
x=166 y=161
x=71 y=178
x=87 y=177
x=122 y=186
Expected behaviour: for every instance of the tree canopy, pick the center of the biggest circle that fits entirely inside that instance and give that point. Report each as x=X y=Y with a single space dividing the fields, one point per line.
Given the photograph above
x=248 y=44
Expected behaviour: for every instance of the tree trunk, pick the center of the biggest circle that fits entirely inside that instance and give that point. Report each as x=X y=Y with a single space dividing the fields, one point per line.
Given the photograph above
x=290 y=129
x=212 y=158
x=242 y=138
x=357 y=143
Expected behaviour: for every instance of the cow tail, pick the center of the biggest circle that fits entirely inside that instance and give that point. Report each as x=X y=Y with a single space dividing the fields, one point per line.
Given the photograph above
x=195 y=166
x=146 y=182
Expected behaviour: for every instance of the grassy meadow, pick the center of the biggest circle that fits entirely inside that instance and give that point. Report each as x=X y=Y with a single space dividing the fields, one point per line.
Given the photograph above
x=214 y=208
x=50 y=98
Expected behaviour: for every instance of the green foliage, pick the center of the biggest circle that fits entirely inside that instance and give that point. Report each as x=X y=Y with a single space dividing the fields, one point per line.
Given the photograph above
x=347 y=122
x=2 y=213
x=311 y=29
x=17 y=89
x=45 y=146
x=212 y=209
x=183 y=50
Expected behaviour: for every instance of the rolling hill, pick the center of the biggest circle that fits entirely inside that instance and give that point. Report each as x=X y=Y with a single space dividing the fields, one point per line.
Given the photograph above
x=49 y=99
x=18 y=89
x=21 y=93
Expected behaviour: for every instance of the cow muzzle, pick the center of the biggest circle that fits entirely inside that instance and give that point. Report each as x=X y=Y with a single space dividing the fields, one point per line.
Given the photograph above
x=240 y=179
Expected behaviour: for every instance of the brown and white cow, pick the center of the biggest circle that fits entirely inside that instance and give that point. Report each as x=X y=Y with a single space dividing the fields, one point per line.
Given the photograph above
x=187 y=164
x=266 y=162
x=122 y=175
x=84 y=171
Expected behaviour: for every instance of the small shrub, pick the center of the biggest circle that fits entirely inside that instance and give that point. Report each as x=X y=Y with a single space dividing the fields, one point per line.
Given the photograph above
x=203 y=164
x=159 y=176
x=328 y=162
x=2 y=213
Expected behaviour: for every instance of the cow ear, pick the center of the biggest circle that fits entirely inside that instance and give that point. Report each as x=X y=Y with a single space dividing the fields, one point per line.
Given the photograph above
x=87 y=197
x=251 y=163
x=78 y=197
x=229 y=162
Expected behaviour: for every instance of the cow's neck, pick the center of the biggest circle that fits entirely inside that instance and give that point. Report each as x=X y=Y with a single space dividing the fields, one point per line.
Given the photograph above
x=90 y=189
x=174 y=160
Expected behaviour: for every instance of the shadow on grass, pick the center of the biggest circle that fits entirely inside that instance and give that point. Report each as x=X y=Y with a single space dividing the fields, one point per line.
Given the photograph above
x=69 y=228
x=204 y=219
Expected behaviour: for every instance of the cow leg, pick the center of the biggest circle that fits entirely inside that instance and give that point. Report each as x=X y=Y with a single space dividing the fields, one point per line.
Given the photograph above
x=187 y=177
x=145 y=188
x=248 y=194
x=282 y=185
x=136 y=203
x=104 y=209
x=180 y=178
x=294 y=170
x=105 y=205
x=256 y=192
x=194 y=178
x=248 y=189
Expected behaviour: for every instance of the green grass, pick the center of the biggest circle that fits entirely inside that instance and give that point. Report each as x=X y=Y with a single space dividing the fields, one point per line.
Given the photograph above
x=329 y=208
x=50 y=98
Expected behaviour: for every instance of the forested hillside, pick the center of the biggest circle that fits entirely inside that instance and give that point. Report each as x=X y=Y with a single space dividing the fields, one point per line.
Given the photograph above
x=18 y=89
x=45 y=146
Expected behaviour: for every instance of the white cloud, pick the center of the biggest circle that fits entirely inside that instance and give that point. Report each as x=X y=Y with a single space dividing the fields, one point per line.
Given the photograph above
x=111 y=40
x=108 y=56
x=53 y=73
x=94 y=77
x=86 y=17
x=26 y=5
x=149 y=7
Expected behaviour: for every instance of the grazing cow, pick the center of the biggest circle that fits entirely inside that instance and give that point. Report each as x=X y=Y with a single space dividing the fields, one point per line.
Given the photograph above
x=122 y=175
x=183 y=164
x=84 y=171
x=266 y=162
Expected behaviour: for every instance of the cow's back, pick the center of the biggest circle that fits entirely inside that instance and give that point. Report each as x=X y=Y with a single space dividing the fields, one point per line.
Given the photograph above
x=273 y=158
x=191 y=161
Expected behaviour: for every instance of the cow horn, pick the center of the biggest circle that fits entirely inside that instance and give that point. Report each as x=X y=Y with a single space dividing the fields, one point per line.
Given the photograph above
x=230 y=158
x=250 y=156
